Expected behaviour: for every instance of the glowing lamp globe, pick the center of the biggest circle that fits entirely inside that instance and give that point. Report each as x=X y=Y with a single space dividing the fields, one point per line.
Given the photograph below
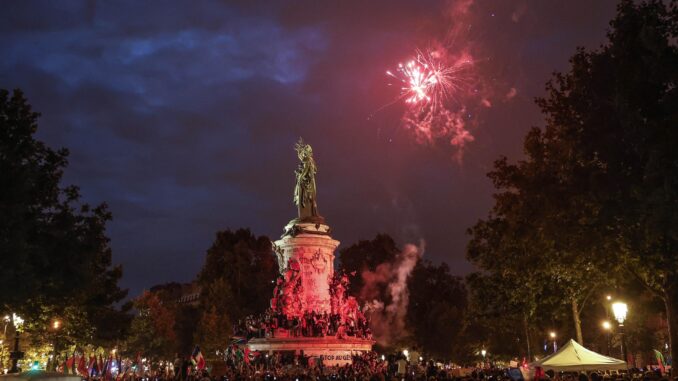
x=620 y=309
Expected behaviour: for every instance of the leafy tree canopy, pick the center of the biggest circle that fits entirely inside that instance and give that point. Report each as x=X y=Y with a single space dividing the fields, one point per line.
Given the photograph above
x=55 y=257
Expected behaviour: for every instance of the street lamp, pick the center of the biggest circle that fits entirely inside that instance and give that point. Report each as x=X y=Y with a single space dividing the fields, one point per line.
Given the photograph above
x=483 y=352
x=56 y=325
x=607 y=327
x=7 y=319
x=620 y=310
x=552 y=334
x=16 y=354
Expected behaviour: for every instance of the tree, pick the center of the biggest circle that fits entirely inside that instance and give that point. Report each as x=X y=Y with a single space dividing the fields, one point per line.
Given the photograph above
x=247 y=265
x=152 y=330
x=54 y=253
x=606 y=164
x=616 y=111
x=436 y=319
x=214 y=328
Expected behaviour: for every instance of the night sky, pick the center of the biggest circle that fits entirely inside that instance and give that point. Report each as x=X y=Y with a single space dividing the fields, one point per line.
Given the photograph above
x=182 y=116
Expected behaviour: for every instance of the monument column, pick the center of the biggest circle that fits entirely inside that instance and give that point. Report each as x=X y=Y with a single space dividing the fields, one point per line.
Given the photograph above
x=306 y=250
x=305 y=254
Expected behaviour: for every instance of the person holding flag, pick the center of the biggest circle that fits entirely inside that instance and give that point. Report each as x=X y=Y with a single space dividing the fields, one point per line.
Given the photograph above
x=197 y=358
x=82 y=366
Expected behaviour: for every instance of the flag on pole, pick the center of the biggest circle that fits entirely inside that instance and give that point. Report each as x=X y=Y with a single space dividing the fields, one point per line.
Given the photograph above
x=660 y=361
x=82 y=366
x=109 y=369
x=74 y=364
x=69 y=364
x=198 y=359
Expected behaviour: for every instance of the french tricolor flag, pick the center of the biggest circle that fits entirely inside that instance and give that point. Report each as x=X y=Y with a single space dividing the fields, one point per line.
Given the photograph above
x=198 y=360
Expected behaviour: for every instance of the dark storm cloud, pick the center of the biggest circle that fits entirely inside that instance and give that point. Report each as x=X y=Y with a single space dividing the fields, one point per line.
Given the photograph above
x=182 y=115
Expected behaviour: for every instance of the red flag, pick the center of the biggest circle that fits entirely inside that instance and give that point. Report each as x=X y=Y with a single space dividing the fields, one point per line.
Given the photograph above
x=108 y=368
x=198 y=359
x=69 y=364
x=82 y=366
x=539 y=374
x=247 y=355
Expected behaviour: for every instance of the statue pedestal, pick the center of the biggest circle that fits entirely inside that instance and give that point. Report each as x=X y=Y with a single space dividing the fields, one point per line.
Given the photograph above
x=309 y=255
x=306 y=263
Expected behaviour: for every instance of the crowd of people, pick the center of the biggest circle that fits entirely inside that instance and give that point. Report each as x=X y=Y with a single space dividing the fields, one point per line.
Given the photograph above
x=243 y=366
x=310 y=324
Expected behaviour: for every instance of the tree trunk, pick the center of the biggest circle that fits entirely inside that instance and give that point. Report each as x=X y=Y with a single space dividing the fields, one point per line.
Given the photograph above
x=671 y=303
x=577 y=321
x=527 y=338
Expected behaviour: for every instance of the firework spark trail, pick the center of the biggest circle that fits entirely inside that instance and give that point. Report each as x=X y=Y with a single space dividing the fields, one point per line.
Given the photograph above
x=431 y=85
x=426 y=80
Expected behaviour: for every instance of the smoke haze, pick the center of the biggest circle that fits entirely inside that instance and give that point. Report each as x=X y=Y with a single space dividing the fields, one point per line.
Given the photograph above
x=388 y=320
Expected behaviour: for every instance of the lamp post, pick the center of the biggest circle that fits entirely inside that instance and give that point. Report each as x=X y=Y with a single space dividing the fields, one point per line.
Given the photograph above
x=56 y=325
x=607 y=327
x=552 y=335
x=483 y=352
x=7 y=319
x=16 y=354
x=620 y=309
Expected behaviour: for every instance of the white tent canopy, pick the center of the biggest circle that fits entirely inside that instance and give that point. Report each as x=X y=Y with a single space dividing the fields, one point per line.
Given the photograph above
x=573 y=357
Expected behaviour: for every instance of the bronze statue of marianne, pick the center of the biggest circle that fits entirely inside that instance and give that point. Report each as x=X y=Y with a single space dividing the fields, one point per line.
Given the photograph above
x=305 y=190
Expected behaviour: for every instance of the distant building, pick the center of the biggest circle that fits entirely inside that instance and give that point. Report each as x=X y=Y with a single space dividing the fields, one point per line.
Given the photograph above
x=178 y=293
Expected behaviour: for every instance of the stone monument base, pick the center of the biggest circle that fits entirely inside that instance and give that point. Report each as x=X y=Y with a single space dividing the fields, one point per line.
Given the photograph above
x=331 y=350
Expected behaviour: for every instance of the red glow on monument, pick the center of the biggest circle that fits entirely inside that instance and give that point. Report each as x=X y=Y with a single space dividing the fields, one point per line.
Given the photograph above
x=310 y=308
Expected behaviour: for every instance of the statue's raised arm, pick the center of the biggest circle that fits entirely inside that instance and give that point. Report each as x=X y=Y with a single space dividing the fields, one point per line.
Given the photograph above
x=305 y=189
